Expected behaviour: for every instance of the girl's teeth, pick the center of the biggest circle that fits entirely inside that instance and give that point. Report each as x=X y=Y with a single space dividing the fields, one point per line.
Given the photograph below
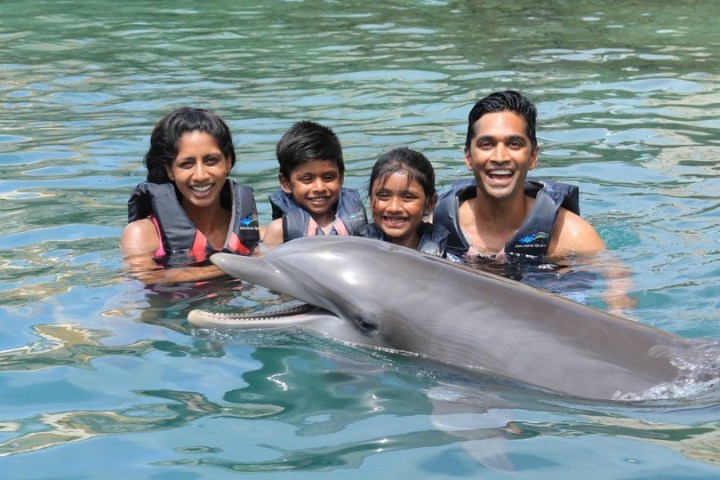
x=201 y=188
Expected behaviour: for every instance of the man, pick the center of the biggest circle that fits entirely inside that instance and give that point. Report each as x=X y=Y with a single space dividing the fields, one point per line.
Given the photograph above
x=501 y=214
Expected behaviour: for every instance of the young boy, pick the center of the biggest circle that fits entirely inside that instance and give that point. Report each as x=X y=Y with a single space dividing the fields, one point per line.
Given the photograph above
x=311 y=199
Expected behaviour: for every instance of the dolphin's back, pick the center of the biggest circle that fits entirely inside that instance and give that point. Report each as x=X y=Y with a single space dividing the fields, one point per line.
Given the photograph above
x=478 y=321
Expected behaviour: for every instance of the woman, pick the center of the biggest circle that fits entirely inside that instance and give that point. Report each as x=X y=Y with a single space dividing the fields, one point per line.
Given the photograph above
x=188 y=208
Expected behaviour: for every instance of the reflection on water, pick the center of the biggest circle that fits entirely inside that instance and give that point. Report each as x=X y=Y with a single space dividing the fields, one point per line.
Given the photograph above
x=345 y=390
x=65 y=345
x=61 y=428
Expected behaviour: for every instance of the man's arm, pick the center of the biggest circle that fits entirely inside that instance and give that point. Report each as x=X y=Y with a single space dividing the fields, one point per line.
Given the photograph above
x=574 y=236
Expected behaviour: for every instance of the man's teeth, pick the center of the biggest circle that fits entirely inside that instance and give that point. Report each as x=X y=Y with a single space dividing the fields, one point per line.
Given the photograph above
x=201 y=188
x=499 y=173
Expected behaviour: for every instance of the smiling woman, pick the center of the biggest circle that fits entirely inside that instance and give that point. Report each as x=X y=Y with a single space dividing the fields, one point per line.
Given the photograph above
x=188 y=208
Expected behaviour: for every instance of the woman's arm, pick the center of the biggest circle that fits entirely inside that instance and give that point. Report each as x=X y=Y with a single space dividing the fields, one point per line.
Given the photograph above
x=273 y=234
x=140 y=241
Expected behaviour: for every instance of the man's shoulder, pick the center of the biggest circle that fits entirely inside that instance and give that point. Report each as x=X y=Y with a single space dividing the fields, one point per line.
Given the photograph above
x=572 y=219
x=574 y=235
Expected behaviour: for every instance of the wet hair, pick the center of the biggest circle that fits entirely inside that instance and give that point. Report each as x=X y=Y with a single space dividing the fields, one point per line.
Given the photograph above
x=506 y=101
x=168 y=131
x=306 y=141
x=404 y=159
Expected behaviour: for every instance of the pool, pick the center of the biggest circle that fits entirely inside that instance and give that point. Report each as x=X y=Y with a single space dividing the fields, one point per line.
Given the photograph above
x=102 y=378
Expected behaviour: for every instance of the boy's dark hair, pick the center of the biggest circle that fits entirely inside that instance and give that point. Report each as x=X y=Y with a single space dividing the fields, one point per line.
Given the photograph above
x=306 y=141
x=404 y=159
x=506 y=101
x=168 y=131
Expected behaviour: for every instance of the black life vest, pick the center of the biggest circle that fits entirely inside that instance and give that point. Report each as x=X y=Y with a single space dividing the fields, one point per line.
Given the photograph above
x=433 y=237
x=296 y=220
x=180 y=237
x=532 y=239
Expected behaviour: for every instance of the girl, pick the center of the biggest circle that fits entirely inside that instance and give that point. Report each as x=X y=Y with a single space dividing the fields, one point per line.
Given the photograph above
x=402 y=194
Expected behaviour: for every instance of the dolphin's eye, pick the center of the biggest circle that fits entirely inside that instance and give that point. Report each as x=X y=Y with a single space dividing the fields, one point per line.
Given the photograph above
x=366 y=323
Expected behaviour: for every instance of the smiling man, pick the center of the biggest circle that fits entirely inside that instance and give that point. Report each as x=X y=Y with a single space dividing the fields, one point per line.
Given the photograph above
x=500 y=213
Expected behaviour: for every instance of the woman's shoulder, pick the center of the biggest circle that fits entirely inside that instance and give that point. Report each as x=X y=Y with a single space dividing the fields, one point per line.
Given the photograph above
x=273 y=235
x=140 y=236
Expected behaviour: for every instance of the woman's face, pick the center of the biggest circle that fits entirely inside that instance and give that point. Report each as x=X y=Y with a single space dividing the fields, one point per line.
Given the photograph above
x=199 y=169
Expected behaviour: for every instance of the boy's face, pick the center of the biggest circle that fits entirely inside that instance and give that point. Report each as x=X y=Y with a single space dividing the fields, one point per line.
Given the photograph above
x=315 y=186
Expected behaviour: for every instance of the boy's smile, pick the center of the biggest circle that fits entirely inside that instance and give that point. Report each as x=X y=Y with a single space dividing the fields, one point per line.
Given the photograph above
x=315 y=186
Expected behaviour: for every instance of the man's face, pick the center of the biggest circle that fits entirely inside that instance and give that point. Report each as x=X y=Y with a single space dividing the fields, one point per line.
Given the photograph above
x=500 y=154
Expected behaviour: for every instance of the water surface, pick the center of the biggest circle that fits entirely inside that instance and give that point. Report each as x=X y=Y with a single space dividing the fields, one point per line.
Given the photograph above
x=102 y=378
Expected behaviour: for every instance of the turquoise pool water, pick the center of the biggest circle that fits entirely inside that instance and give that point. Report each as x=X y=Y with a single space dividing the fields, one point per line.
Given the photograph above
x=101 y=378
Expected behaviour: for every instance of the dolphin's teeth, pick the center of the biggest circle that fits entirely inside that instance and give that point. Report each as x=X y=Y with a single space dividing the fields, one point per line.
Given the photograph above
x=253 y=316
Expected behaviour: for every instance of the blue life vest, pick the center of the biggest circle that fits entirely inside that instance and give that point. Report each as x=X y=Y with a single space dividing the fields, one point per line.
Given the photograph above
x=532 y=239
x=433 y=238
x=349 y=210
x=181 y=240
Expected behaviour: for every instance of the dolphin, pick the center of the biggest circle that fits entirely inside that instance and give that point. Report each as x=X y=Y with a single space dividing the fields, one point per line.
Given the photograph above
x=373 y=293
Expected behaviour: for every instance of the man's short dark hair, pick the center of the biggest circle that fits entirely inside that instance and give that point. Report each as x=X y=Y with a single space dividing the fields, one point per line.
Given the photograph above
x=505 y=101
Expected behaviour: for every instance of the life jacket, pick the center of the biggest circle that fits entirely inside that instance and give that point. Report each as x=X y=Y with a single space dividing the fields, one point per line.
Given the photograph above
x=532 y=239
x=181 y=240
x=350 y=215
x=433 y=238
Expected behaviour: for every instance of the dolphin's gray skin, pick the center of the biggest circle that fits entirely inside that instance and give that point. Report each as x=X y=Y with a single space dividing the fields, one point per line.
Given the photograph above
x=377 y=294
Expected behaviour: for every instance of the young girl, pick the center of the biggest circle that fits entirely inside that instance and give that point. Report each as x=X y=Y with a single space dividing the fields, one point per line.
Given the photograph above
x=402 y=194
x=188 y=208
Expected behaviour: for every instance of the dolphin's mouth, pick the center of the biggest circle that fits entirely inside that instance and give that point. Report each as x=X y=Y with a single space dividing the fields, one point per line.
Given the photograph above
x=271 y=318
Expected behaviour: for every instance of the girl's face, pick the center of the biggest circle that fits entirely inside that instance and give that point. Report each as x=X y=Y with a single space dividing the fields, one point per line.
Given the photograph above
x=200 y=169
x=398 y=207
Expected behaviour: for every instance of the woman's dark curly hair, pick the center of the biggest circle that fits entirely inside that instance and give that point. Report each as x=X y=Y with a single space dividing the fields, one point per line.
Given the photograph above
x=168 y=131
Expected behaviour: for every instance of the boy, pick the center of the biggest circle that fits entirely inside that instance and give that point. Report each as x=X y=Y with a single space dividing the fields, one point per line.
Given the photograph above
x=311 y=199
